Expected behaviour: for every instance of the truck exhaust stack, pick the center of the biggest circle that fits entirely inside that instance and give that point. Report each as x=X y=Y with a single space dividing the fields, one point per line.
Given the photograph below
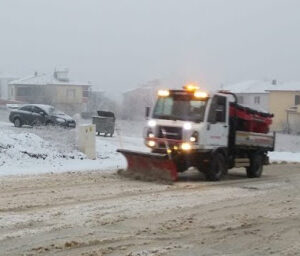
x=150 y=166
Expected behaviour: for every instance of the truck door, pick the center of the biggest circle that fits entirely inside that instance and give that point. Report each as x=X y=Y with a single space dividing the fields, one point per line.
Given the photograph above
x=217 y=122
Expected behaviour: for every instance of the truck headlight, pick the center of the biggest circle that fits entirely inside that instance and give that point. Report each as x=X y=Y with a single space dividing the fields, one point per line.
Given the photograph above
x=187 y=126
x=194 y=137
x=151 y=143
x=186 y=146
x=150 y=135
x=151 y=123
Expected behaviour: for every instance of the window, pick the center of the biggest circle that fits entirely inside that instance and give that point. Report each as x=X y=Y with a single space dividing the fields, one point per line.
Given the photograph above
x=180 y=107
x=71 y=93
x=240 y=99
x=37 y=110
x=85 y=93
x=217 y=112
x=164 y=107
x=24 y=91
x=257 y=99
x=297 y=100
x=27 y=108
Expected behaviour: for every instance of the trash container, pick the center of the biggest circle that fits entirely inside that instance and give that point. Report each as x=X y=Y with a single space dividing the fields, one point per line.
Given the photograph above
x=105 y=123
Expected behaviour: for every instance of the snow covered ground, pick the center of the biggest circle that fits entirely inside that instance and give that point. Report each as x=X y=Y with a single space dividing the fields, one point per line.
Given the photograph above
x=282 y=157
x=42 y=149
x=36 y=150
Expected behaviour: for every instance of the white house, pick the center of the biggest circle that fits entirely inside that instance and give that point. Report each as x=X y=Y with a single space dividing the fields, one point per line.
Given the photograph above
x=253 y=93
x=53 y=88
x=4 y=81
x=136 y=100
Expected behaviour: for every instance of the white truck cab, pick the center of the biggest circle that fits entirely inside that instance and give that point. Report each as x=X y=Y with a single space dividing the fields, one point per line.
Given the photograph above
x=181 y=117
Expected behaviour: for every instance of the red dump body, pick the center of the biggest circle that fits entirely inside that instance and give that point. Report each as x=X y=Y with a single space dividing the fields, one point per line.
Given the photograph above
x=250 y=119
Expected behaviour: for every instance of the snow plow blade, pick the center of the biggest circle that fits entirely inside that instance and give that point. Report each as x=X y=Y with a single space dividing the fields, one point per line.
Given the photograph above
x=150 y=166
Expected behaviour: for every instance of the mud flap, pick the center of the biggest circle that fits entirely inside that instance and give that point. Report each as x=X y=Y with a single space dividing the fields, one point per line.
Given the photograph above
x=150 y=165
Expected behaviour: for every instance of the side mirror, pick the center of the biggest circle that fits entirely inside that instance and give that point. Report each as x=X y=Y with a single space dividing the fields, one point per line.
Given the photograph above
x=147 y=112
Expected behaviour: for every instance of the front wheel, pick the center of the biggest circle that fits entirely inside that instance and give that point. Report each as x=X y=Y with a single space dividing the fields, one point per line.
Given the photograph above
x=256 y=166
x=17 y=122
x=49 y=123
x=217 y=168
x=36 y=123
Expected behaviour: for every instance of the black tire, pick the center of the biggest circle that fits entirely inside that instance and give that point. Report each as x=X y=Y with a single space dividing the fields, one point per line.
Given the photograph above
x=49 y=123
x=217 y=168
x=36 y=123
x=256 y=166
x=17 y=122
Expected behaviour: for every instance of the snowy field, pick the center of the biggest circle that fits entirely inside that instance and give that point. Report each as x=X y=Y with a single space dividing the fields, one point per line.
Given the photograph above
x=38 y=150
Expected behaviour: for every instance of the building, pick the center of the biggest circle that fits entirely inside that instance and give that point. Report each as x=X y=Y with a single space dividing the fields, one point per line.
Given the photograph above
x=284 y=103
x=253 y=93
x=4 y=81
x=97 y=101
x=281 y=99
x=54 y=89
x=136 y=100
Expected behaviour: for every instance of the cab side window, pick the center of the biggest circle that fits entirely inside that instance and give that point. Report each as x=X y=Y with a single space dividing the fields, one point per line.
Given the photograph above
x=26 y=108
x=217 y=112
x=37 y=110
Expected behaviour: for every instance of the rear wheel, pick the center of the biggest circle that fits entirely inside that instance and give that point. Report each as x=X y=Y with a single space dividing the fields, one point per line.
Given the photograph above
x=17 y=122
x=256 y=166
x=217 y=168
x=49 y=123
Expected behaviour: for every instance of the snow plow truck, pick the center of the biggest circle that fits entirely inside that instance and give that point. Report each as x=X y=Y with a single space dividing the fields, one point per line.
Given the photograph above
x=211 y=132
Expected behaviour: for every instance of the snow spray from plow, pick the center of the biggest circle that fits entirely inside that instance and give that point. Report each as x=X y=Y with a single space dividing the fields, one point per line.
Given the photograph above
x=150 y=165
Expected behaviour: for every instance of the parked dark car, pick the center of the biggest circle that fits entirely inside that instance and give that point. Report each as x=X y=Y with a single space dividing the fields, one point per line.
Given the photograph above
x=38 y=114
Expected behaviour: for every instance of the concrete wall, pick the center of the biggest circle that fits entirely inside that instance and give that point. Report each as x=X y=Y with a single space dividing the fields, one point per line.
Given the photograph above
x=135 y=102
x=56 y=95
x=50 y=94
x=293 y=126
x=279 y=102
x=4 y=113
x=287 y=143
x=68 y=94
x=249 y=100
x=4 y=93
x=35 y=94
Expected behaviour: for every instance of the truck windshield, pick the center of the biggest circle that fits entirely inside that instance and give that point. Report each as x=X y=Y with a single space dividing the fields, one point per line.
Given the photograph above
x=179 y=107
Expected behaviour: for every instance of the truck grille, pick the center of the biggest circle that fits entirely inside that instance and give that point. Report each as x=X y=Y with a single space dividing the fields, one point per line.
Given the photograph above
x=174 y=133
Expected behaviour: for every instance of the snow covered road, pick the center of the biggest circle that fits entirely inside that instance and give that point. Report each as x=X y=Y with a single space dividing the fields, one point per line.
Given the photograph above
x=97 y=214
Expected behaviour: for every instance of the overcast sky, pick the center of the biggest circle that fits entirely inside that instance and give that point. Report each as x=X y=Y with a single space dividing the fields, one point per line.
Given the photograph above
x=118 y=44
